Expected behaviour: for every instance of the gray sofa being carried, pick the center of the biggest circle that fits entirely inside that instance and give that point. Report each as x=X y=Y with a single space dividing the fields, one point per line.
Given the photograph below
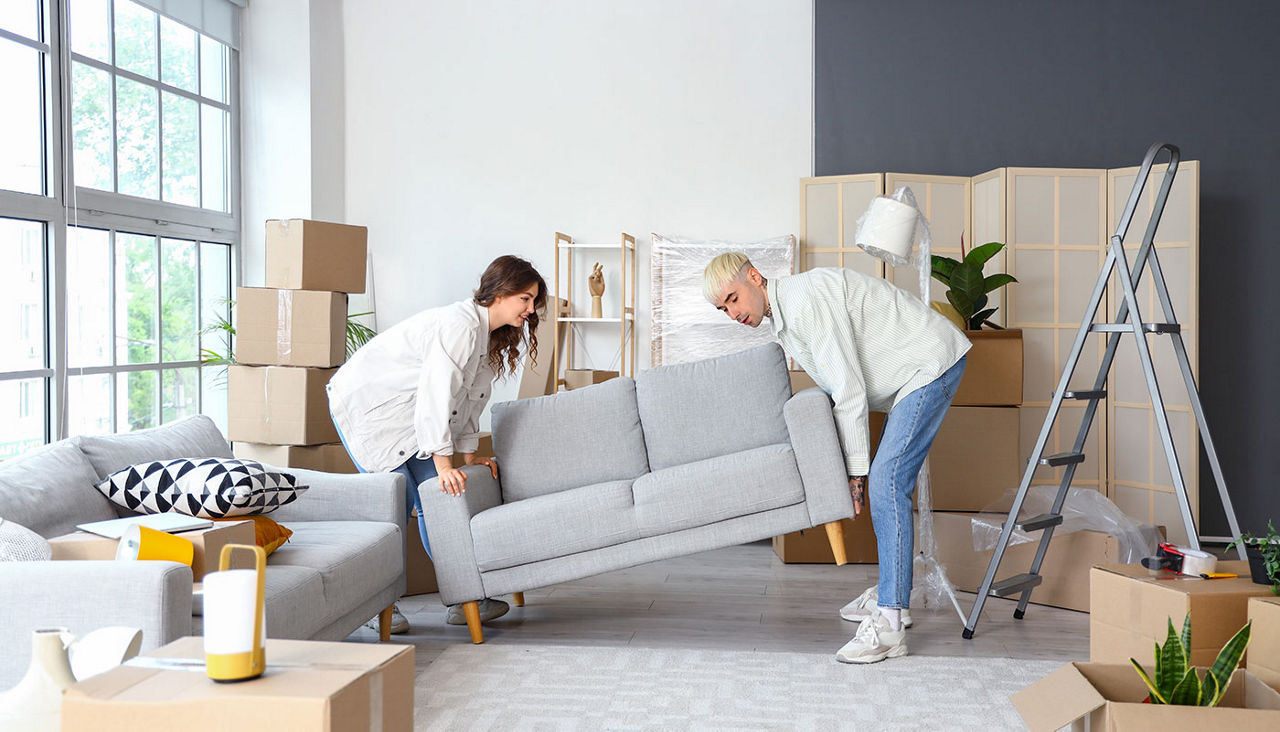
x=343 y=565
x=682 y=459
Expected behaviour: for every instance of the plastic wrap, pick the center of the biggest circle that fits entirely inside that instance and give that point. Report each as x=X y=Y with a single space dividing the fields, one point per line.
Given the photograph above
x=931 y=587
x=1085 y=509
x=884 y=231
x=685 y=326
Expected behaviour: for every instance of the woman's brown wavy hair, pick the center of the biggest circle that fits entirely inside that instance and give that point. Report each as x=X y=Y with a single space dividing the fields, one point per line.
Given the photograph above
x=506 y=276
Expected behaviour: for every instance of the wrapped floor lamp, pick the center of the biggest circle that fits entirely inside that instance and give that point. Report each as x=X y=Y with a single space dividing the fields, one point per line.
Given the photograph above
x=895 y=230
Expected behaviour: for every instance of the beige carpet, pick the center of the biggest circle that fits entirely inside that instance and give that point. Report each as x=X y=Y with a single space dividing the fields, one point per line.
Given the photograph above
x=501 y=687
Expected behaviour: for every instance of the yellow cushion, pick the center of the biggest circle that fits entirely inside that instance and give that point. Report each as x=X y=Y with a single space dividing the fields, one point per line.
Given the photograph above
x=267 y=533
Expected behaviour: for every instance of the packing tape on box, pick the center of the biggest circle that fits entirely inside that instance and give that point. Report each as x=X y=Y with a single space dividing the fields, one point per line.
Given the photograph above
x=284 y=325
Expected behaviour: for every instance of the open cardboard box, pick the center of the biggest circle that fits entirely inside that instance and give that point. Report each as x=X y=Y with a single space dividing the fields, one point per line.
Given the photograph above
x=1130 y=611
x=309 y=686
x=1263 y=655
x=208 y=545
x=1109 y=697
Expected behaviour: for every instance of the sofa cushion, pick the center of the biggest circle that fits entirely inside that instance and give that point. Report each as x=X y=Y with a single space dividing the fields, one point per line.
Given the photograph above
x=575 y=438
x=206 y=487
x=195 y=436
x=554 y=525
x=717 y=489
x=355 y=559
x=295 y=602
x=50 y=490
x=699 y=410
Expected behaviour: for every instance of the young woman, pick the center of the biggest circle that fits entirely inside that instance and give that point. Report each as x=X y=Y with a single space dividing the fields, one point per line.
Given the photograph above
x=412 y=397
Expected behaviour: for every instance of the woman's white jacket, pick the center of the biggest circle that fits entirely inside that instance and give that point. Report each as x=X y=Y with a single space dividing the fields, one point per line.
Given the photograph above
x=417 y=388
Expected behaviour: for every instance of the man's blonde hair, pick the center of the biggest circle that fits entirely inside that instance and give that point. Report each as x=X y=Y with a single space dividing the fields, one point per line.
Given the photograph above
x=726 y=268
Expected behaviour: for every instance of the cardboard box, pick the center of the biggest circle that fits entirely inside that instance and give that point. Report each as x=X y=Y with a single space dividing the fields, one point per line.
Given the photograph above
x=483 y=449
x=276 y=405
x=290 y=327
x=974 y=464
x=579 y=378
x=993 y=373
x=1065 y=568
x=537 y=379
x=315 y=255
x=1131 y=611
x=308 y=686
x=811 y=546
x=328 y=458
x=1109 y=697
x=1263 y=656
x=208 y=545
x=801 y=381
x=420 y=573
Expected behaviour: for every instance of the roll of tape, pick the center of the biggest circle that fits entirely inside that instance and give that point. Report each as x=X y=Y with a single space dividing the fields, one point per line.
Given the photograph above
x=1196 y=562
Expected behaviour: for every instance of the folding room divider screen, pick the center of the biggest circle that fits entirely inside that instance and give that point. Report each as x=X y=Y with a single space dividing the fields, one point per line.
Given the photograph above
x=1056 y=223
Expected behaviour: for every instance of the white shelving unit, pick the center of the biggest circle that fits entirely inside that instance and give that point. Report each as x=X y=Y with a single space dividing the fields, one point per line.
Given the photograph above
x=566 y=248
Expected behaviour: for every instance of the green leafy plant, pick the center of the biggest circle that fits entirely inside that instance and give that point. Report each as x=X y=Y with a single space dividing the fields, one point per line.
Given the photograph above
x=358 y=334
x=967 y=287
x=1176 y=680
x=1268 y=547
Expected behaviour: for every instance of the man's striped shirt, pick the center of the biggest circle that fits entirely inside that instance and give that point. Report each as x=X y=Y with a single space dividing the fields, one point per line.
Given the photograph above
x=864 y=341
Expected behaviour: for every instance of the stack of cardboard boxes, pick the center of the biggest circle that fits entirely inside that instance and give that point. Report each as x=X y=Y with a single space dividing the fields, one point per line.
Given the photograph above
x=290 y=339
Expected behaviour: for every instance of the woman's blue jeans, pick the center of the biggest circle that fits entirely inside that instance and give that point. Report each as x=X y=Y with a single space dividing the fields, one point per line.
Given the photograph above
x=416 y=471
x=908 y=435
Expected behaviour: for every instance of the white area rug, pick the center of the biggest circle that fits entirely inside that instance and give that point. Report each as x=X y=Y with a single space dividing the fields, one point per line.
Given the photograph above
x=556 y=687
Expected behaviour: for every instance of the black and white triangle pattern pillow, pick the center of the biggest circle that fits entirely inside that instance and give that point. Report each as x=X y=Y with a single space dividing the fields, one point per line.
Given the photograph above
x=203 y=487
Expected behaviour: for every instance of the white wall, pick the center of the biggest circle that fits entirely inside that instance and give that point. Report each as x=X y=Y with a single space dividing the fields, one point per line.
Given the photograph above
x=275 y=94
x=475 y=129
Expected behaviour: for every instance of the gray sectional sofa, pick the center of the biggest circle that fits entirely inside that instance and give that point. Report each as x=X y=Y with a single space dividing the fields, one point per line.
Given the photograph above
x=682 y=459
x=343 y=565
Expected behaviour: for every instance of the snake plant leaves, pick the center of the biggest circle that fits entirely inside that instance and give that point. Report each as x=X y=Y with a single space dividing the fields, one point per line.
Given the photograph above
x=1228 y=659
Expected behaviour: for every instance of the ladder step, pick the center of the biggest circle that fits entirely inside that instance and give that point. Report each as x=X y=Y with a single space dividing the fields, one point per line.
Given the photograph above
x=1015 y=584
x=1043 y=521
x=1085 y=396
x=1126 y=328
x=1062 y=458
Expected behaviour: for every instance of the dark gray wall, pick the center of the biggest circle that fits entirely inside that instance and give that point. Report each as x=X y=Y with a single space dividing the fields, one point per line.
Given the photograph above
x=960 y=87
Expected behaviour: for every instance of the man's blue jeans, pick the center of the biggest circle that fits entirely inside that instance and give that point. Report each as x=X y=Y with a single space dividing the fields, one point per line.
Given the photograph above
x=416 y=471
x=908 y=435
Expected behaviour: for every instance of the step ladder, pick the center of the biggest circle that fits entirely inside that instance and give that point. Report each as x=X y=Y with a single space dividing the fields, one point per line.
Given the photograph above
x=1128 y=321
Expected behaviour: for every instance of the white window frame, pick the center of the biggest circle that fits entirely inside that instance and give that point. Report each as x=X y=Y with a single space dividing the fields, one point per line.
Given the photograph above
x=64 y=206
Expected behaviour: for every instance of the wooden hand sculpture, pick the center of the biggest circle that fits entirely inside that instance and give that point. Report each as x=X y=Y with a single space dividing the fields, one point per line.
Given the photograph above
x=596 y=284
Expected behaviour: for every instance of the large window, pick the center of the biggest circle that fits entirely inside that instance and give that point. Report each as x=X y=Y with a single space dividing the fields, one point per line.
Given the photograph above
x=118 y=216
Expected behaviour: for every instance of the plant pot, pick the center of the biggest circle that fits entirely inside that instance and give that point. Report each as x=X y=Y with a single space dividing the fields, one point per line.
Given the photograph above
x=1257 y=565
x=993 y=374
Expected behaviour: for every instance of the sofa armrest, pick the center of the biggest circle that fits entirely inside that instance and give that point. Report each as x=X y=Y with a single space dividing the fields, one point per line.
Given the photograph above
x=818 y=455
x=448 y=520
x=346 y=497
x=83 y=596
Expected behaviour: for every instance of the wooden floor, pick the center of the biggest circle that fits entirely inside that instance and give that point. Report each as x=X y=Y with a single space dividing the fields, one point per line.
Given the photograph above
x=740 y=598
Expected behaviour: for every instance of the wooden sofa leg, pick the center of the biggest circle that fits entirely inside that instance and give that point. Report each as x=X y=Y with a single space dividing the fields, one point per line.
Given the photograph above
x=518 y=598
x=472 y=611
x=835 y=535
x=384 y=624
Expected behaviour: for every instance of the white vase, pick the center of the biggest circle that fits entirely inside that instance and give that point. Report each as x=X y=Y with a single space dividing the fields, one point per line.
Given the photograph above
x=35 y=704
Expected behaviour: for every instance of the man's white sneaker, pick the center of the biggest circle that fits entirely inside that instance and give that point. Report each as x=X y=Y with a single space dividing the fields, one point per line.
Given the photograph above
x=399 y=623
x=873 y=642
x=489 y=609
x=863 y=605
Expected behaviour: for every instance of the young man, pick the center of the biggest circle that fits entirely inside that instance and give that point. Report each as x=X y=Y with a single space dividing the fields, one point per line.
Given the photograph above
x=871 y=346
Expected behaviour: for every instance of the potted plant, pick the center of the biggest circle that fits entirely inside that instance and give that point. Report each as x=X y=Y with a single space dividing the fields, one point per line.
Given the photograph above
x=1176 y=680
x=1264 y=556
x=993 y=376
